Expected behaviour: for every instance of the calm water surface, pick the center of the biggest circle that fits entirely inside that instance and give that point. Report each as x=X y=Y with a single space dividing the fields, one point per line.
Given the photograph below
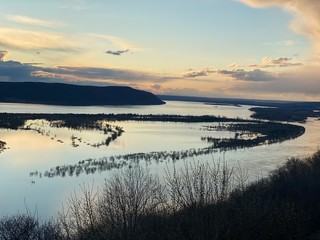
x=30 y=151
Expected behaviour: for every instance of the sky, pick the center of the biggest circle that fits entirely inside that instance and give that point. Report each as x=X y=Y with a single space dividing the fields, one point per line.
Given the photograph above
x=262 y=49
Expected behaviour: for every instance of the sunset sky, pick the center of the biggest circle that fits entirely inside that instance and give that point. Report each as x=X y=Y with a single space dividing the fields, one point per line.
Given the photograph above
x=266 y=49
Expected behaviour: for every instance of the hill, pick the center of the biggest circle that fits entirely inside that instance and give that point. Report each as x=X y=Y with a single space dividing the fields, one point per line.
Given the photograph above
x=73 y=95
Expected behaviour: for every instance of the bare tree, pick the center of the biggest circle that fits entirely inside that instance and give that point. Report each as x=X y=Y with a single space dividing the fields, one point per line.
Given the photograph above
x=81 y=219
x=198 y=184
x=241 y=177
x=126 y=197
x=18 y=227
x=115 y=211
x=27 y=227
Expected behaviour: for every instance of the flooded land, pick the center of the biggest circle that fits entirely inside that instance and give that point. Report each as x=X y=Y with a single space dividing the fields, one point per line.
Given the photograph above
x=48 y=151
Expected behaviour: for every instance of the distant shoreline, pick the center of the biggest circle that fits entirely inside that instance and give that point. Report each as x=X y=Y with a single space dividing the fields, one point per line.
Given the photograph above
x=223 y=104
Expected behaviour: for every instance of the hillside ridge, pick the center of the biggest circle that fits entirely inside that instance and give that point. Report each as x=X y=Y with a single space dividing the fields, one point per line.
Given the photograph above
x=74 y=95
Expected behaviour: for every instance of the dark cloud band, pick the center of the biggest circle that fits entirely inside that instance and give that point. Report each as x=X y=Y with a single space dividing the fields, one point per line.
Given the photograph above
x=117 y=53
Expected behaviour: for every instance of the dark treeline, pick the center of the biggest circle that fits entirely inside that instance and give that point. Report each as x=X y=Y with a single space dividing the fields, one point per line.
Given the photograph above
x=16 y=120
x=285 y=114
x=264 y=133
x=201 y=201
x=93 y=121
x=257 y=134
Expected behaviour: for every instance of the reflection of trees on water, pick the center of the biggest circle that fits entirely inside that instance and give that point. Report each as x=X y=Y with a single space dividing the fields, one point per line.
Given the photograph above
x=248 y=133
x=2 y=146
x=91 y=121
x=260 y=134
x=46 y=128
x=91 y=166
x=97 y=122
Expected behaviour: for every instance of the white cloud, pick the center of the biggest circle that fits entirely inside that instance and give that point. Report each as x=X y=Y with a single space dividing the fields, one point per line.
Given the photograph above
x=233 y=65
x=303 y=81
x=116 y=41
x=34 y=21
x=306 y=16
x=235 y=74
x=295 y=85
x=268 y=62
x=24 y=39
x=285 y=43
x=198 y=73
x=255 y=75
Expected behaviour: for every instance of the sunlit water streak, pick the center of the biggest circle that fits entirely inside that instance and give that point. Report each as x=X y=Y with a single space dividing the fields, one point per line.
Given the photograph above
x=31 y=151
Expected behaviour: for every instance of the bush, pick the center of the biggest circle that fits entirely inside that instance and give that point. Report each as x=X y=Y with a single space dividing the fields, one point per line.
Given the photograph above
x=27 y=227
x=201 y=201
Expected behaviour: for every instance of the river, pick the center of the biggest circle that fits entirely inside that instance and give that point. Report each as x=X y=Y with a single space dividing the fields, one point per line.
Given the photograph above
x=29 y=151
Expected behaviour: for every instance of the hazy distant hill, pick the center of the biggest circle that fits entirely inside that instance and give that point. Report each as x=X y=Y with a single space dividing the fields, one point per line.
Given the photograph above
x=67 y=94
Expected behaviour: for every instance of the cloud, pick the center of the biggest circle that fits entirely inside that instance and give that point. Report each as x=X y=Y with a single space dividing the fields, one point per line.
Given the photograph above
x=199 y=73
x=115 y=41
x=233 y=65
x=117 y=53
x=185 y=92
x=16 y=71
x=156 y=86
x=306 y=16
x=34 y=21
x=251 y=84
x=304 y=81
x=289 y=86
x=34 y=40
x=276 y=62
x=192 y=91
x=105 y=74
x=3 y=54
x=285 y=43
x=255 y=75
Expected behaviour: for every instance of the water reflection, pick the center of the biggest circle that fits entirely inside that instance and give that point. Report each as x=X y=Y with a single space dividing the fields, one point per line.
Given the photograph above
x=247 y=135
x=171 y=107
x=30 y=150
x=2 y=146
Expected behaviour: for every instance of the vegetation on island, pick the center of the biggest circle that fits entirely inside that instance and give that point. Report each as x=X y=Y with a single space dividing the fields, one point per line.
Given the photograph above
x=273 y=110
x=201 y=201
x=246 y=135
x=253 y=134
x=284 y=114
